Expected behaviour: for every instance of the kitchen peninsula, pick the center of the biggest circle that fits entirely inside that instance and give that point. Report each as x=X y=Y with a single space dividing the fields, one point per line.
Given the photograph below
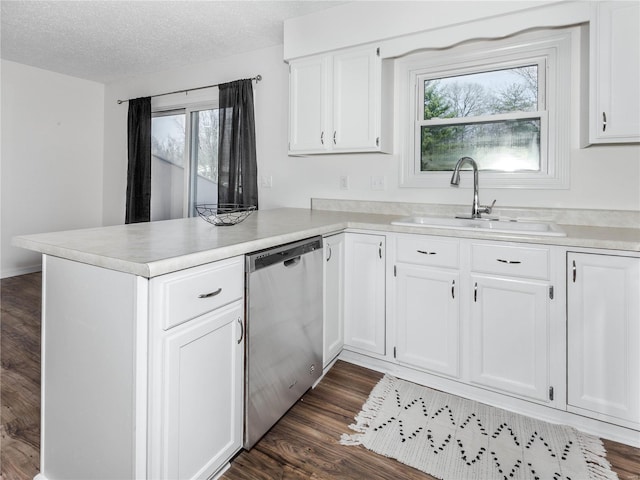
x=124 y=346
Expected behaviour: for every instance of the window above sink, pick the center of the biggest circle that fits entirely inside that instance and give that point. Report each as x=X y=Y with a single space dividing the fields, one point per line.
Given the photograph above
x=504 y=102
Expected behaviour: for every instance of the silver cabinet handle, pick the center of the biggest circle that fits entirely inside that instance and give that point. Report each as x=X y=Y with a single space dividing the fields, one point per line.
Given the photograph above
x=426 y=253
x=475 y=292
x=380 y=250
x=210 y=294
x=604 y=121
x=334 y=137
x=453 y=287
x=329 y=251
x=241 y=331
x=510 y=262
x=574 y=271
x=322 y=138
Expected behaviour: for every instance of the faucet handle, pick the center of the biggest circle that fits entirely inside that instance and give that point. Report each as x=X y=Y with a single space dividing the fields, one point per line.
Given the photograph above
x=488 y=208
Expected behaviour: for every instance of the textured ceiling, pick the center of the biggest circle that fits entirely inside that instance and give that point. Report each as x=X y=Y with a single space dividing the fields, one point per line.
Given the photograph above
x=106 y=40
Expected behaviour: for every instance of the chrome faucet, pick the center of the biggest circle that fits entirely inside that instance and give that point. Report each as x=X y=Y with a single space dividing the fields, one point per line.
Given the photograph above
x=476 y=209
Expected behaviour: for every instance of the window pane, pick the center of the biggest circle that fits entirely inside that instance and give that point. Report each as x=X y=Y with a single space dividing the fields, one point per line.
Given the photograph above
x=167 y=166
x=167 y=138
x=510 y=146
x=485 y=93
x=204 y=157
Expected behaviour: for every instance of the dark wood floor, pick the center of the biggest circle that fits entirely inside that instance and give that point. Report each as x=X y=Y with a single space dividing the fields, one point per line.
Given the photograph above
x=20 y=376
x=303 y=445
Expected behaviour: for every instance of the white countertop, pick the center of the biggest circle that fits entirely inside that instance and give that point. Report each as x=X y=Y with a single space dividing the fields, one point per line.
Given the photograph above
x=157 y=248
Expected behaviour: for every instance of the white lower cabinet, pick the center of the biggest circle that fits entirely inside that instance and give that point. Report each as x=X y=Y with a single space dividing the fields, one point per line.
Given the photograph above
x=603 y=295
x=428 y=333
x=141 y=378
x=197 y=370
x=364 y=299
x=333 y=315
x=202 y=400
x=427 y=300
x=508 y=333
x=510 y=318
x=477 y=312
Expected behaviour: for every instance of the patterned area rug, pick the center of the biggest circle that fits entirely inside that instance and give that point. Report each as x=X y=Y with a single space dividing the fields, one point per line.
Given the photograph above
x=453 y=438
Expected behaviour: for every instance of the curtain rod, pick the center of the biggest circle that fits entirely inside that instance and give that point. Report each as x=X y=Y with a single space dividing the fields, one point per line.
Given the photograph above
x=257 y=78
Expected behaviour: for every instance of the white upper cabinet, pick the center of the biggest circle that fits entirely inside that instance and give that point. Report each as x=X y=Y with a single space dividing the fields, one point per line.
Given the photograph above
x=336 y=103
x=307 y=104
x=614 y=98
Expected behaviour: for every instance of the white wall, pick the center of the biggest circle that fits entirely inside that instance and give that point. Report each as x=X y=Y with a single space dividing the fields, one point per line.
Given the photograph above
x=602 y=177
x=270 y=109
x=361 y=22
x=51 y=158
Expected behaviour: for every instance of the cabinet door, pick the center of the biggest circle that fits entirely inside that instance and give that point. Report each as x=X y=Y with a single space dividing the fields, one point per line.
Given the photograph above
x=365 y=293
x=603 y=304
x=427 y=302
x=615 y=73
x=308 y=97
x=203 y=394
x=356 y=94
x=509 y=336
x=333 y=297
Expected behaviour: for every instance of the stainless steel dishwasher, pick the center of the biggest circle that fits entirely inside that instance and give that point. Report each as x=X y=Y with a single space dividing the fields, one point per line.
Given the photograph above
x=284 y=331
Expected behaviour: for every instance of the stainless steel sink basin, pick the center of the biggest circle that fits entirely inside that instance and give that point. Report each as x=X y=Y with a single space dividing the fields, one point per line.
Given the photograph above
x=498 y=226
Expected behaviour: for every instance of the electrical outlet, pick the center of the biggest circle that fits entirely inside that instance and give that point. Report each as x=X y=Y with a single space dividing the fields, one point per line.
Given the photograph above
x=344 y=182
x=378 y=183
x=266 y=181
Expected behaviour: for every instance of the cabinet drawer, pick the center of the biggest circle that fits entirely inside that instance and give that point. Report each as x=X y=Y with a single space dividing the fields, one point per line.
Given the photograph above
x=529 y=262
x=424 y=250
x=181 y=296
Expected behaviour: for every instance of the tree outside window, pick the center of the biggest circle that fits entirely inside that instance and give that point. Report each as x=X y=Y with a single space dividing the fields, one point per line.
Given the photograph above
x=486 y=115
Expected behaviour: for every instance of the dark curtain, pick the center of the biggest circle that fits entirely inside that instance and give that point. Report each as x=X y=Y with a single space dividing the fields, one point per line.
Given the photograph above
x=237 y=169
x=139 y=170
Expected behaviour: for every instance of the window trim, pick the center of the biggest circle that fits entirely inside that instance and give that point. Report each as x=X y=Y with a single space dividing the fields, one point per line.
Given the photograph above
x=554 y=45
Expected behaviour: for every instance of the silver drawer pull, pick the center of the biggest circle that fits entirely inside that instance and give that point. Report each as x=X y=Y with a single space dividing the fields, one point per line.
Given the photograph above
x=210 y=294
x=241 y=331
x=510 y=262
x=426 y=253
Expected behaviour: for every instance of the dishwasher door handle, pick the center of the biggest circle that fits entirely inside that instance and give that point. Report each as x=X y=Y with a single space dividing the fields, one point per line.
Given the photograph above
x=292 y=262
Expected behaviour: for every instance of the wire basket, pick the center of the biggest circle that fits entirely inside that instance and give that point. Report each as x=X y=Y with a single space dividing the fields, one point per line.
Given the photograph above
x=224 y=214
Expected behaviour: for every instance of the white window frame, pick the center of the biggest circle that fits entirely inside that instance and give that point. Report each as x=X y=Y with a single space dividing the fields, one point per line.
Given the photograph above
x=187 y=103
x=550 y=49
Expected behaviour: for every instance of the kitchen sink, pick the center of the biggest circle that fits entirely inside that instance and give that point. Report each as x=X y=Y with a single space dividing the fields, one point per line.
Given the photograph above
x=490 y=225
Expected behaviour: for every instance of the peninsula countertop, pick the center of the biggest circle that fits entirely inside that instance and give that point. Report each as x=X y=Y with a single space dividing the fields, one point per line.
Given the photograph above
x=156 y=248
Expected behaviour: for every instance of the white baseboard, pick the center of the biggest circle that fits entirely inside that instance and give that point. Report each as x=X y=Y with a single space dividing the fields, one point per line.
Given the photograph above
x=591 y=426
x=14 y=272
